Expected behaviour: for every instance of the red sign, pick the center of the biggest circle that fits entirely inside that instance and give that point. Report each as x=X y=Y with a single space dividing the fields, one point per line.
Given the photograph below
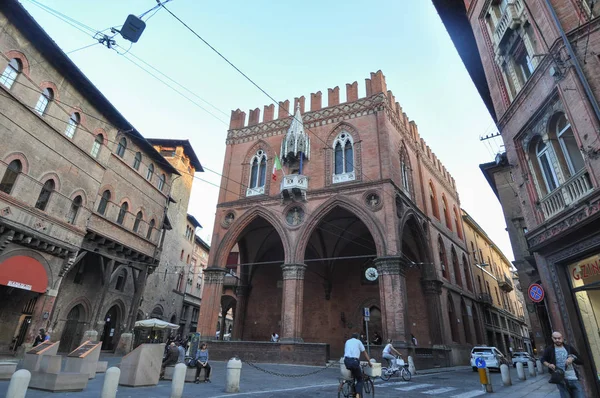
x=536 y=292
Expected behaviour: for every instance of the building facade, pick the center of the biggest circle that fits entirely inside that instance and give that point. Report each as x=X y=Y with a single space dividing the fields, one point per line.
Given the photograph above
x=83 y=198
x=361 y=215
x=535 y=65
x=504 y=322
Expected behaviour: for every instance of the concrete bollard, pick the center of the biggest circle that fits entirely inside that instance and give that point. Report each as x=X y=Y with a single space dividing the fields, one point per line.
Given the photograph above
x=234 y=371
x=411 y=366
x=111 y=382
x=178 y=380
x=539 y=367
x=505 y=375
x=531 y=368
x=18 y=384
x=521 y=371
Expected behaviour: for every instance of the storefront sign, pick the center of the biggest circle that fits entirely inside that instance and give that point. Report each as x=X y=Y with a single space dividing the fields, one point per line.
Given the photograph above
x=19 y=285
x=585 y=269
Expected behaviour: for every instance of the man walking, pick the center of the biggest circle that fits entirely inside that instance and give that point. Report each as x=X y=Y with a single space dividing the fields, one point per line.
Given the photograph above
x=352 y=350
x=563 y=356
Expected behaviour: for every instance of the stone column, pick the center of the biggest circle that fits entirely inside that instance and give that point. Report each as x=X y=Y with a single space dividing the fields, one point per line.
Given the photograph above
x=108 y=270
x=393 y=298
x=140 y=287
x=432 y=289
x=241 y=293
x=292 y=302
x=211 y=301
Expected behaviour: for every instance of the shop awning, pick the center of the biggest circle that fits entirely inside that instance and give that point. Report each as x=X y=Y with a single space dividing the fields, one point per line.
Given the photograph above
x=25 y=273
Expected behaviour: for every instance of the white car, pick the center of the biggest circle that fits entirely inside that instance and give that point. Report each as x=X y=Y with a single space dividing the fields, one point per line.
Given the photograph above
x=491 y=355
x=521 y=356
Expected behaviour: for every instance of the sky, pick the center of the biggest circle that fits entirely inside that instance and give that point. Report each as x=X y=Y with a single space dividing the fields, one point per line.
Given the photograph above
x=289 y=49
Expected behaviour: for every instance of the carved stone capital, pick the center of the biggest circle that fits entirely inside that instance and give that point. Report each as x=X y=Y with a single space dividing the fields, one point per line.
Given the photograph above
x=391 y=265
x=214 y=275
x=432 y=287
x=293 y=271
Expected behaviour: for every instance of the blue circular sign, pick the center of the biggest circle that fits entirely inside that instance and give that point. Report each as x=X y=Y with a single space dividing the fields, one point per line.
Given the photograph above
x=480 y=363
x=536 y=292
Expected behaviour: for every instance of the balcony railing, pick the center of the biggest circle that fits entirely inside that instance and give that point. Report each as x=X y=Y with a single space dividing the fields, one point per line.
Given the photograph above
x=568 y=193
x=505 y=284
x=484 y=298
x=509 y=19
x=294 y=186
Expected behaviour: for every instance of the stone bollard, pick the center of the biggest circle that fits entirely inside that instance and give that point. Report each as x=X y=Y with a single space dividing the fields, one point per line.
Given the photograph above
x=521 y=371
x=531 y=368
x=178 y=380
x=234 y=371
x=505 y=375
x=18 y=384
x=411 y=366
x=539 y=367
x=111 y=382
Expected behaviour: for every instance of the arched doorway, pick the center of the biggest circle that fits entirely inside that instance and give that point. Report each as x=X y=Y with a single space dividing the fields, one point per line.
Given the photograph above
x=339 y=251
x=73 y=329
x=111 y=331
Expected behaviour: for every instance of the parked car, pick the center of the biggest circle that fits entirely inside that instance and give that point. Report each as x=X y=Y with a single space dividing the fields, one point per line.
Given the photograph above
x=491 y=355
x=521 y=356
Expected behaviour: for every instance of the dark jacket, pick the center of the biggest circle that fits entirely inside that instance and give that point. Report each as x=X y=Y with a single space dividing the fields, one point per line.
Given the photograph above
x=549 y=356
x=172 y=356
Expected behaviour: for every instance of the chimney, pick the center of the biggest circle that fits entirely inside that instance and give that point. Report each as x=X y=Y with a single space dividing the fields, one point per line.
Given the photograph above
x=351 y=92
x=316 y=101
x=269 y=113
x=284 y=109
x=378 y=82
x=254 y=117
x=238 y=118
x=333 y=96
x=299 y=101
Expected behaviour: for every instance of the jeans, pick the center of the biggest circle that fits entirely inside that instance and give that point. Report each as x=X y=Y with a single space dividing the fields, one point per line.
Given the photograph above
x=353 y=365
x=389 y=359
x=570 y=389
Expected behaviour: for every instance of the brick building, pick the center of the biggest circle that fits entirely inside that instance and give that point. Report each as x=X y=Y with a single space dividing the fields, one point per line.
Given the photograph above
x=535 y=64
x=363 y=214
x=83 y=198
x=504 y=319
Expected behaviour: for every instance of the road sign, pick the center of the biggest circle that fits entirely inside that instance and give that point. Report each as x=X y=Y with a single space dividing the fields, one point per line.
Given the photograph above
x=480 y=363
x=535 y=292
x=366 y=312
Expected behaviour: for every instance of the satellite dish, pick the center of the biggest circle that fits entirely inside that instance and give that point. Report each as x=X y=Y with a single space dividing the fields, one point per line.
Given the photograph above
x=133 y=28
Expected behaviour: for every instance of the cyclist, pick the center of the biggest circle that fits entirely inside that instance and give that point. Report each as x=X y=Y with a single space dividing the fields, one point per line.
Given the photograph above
x=352 y=350
x=387 y=352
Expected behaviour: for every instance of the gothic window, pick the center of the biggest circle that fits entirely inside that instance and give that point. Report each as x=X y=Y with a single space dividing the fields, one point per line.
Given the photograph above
x=137 y=160
x=443 y=257
x=453 y=320
x=74 y=210
x=569 y=154
x=72 y=124
x=446 y=213
x=465 y=321
x=434 y=203
x=150 y=172
x=456 y=267
x=44 y=196
x=343 y=163
x=98 y=141
x=122 y=212
x=10 y=176
x=122 y=147
x=150 y=228
x=104 y=202
x=161 y=182
x=457 y=223
x=9 y=75
x=405 y=171
x=258 y=174
x=138 y=220
x=465 y=264
x=45 y=98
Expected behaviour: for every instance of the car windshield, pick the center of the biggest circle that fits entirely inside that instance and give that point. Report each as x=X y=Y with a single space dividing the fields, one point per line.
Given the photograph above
x=519 y=354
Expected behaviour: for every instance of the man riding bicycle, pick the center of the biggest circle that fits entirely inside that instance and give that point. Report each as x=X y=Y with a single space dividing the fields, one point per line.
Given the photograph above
x=352 y=350
x=387 y=352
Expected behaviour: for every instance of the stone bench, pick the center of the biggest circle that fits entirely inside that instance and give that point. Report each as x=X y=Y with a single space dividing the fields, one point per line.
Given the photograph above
x=190 y=374
x=7 y=369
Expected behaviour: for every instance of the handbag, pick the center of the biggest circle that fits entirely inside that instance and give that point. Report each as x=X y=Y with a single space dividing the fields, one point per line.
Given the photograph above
x=557 y=377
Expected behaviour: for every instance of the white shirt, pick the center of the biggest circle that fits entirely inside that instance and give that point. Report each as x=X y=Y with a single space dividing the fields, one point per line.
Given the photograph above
x=387 y=349
x=353 y=348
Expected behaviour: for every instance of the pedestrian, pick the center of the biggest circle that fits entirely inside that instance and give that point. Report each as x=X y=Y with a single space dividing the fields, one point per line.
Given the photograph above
x=414 y=339
x=181 y=352
x=170 y=359
x=41 y=337
x=377 y=339
x=562 y=356
x=275 y=337
x=202 y=363
x=387 y=352
x=352 y=350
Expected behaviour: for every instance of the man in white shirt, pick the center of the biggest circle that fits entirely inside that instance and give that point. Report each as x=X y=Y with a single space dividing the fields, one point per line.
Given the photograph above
x=352 y=350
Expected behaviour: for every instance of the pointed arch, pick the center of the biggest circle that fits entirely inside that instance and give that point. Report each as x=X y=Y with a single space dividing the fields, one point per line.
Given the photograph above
x=411 y=219
x=405 y=170
x=238 y=226
x=247 y=166
x=456 y=267
x=317 y=215
x=446 y=209
x=344 y=151
x=433 y=201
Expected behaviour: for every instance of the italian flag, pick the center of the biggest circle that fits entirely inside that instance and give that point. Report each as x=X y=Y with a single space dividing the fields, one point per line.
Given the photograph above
x=276 y=166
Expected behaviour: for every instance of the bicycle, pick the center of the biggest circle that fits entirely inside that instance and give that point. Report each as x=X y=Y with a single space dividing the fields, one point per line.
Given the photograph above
x=347 y=387
x=396 y=367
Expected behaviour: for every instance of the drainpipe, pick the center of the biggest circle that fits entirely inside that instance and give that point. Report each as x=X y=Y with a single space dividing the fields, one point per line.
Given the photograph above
x=576 y=64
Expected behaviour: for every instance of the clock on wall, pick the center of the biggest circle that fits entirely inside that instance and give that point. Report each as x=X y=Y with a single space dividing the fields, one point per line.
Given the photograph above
x=371 y=274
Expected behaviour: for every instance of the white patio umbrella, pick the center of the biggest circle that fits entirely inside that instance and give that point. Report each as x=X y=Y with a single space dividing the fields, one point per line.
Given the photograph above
x=155 y=324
